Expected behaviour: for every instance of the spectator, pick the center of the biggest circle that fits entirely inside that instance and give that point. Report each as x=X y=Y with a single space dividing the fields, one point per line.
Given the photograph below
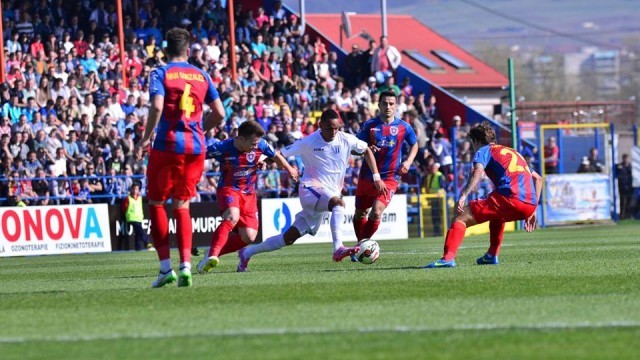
x=625 y=186
x=435 y=183
x=385 y=60
x=594 y=163
x=551 y=156
x=134 y=215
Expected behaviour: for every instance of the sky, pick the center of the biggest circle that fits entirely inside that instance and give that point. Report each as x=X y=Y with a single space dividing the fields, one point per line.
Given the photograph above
x=560 y=25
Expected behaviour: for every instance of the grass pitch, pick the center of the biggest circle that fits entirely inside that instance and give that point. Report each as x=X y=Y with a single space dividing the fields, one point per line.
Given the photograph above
x=560 y=293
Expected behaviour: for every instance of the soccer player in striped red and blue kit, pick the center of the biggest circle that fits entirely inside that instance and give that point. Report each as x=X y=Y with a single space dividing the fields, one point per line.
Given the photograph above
x=385 y=136
x=176 y=161
x=239 y=160
x=515 y=197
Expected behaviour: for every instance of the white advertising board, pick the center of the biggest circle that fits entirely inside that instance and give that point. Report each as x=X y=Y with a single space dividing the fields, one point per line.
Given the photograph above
x=45 y=230
x=278 y=214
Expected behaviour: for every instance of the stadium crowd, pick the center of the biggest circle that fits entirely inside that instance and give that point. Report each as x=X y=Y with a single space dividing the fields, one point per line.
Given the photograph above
x=70 y=123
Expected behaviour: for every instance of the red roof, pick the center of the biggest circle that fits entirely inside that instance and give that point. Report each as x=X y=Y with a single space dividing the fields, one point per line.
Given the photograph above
x=405 y=32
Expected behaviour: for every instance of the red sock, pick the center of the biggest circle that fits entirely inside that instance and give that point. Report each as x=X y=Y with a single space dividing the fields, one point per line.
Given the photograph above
x=234 y=244
x=455 y=235
x=220 y=237
x=358 y=225
x=496 y=231
x=184 y=233
x=370 y=228
x=160 y=230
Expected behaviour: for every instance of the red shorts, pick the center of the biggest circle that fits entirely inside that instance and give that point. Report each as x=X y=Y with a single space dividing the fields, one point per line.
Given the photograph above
x=171 y=175
x=499 y=207
x=367 y=194
x=247 y=203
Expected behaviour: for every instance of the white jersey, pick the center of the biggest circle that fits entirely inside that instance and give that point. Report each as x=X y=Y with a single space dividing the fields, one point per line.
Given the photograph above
x=325 y=163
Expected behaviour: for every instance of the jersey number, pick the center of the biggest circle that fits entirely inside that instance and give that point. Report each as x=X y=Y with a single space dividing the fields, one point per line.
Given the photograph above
x=186 y=102
x=513 y=163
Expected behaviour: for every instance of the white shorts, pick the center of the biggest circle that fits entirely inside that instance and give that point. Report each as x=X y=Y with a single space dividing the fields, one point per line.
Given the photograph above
x=315 y=204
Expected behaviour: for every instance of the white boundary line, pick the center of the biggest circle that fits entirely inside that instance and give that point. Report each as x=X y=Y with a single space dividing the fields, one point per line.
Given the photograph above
x=324 y=331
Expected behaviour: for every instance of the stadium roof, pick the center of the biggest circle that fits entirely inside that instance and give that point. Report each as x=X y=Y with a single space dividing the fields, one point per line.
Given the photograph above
x=424 y=51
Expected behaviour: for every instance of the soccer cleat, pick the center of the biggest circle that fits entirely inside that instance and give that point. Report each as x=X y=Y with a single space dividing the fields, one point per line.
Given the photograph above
x=195 y=251
x=244 y=261
x=442 y=263
x=488 y=260
x=185 y=279
x=164 y=279
x=343 y=252
x=206 y=264
x=354 y=258
x=150 y=247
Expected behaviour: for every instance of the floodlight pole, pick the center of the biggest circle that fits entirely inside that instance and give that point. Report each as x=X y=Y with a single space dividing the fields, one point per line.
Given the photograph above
x=383 y=11
x=232 y=37
x=121 y=41
x=2 y=59
x=514 y=119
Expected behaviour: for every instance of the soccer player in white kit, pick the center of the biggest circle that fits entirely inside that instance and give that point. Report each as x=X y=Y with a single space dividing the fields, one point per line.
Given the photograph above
x=325 y=155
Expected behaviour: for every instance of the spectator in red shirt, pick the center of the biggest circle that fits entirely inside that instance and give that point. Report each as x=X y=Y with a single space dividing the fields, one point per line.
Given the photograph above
x=80 y=45
x=551 y=153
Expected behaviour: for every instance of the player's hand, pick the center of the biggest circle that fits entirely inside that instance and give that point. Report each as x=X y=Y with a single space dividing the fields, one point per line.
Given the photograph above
x=531 y=222
x=405 y=167
x=261 y=165
x=381 y=187
x=374 y=148
x=462 y=201
x=294 y=174
x=143 y=144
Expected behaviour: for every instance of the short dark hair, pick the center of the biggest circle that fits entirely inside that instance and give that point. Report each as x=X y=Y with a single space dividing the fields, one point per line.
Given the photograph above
x=388 y=93
x=177 y=42
x=483 y=133
x=329 y=115
x=250 y=128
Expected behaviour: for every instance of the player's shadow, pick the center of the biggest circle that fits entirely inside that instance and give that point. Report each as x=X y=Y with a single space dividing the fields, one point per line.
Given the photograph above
x=375 y=268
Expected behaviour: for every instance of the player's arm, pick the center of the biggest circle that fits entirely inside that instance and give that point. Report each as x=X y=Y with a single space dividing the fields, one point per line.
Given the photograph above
x=156 y=94
x=406 y=165
x=371 y=161
x=155 y=111
x=530 y=223
x=284 y=164
x=215 y=116
x=412 y=140
x=474 y=179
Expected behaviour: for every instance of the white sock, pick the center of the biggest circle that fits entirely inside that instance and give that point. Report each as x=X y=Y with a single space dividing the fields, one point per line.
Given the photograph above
x=337 y=218
x=273 y=243
x=185 y=265
x=165 y=266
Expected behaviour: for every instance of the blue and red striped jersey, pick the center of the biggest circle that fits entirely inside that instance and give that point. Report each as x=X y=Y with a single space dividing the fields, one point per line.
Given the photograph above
x=388 y=138
x=508 y=171
x=239 y=169
x=185 y=88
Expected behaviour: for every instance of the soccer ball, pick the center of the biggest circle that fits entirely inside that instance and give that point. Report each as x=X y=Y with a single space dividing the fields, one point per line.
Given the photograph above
x=369 y=251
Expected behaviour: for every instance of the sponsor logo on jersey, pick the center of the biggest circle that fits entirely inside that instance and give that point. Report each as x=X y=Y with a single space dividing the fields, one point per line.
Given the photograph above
x=318 y=149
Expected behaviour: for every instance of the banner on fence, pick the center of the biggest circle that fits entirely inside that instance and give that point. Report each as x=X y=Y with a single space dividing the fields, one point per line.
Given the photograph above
x=635 y=166
x=46 y=230
x=277 y=215
x=577 y=197
x=205 y=218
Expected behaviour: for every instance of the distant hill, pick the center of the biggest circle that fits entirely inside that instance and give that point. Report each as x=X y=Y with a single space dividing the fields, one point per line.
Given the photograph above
x=556 y=25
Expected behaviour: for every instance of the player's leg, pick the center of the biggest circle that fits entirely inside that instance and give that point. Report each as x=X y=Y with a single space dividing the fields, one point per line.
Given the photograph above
x=359 y=218
x=191 y=167
x=454 y=238
x=159 y=184
x=237 y=240
x=248 y=225
x=377 y=208
x=364 y=201
x=307 y=221
x=496 y=232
